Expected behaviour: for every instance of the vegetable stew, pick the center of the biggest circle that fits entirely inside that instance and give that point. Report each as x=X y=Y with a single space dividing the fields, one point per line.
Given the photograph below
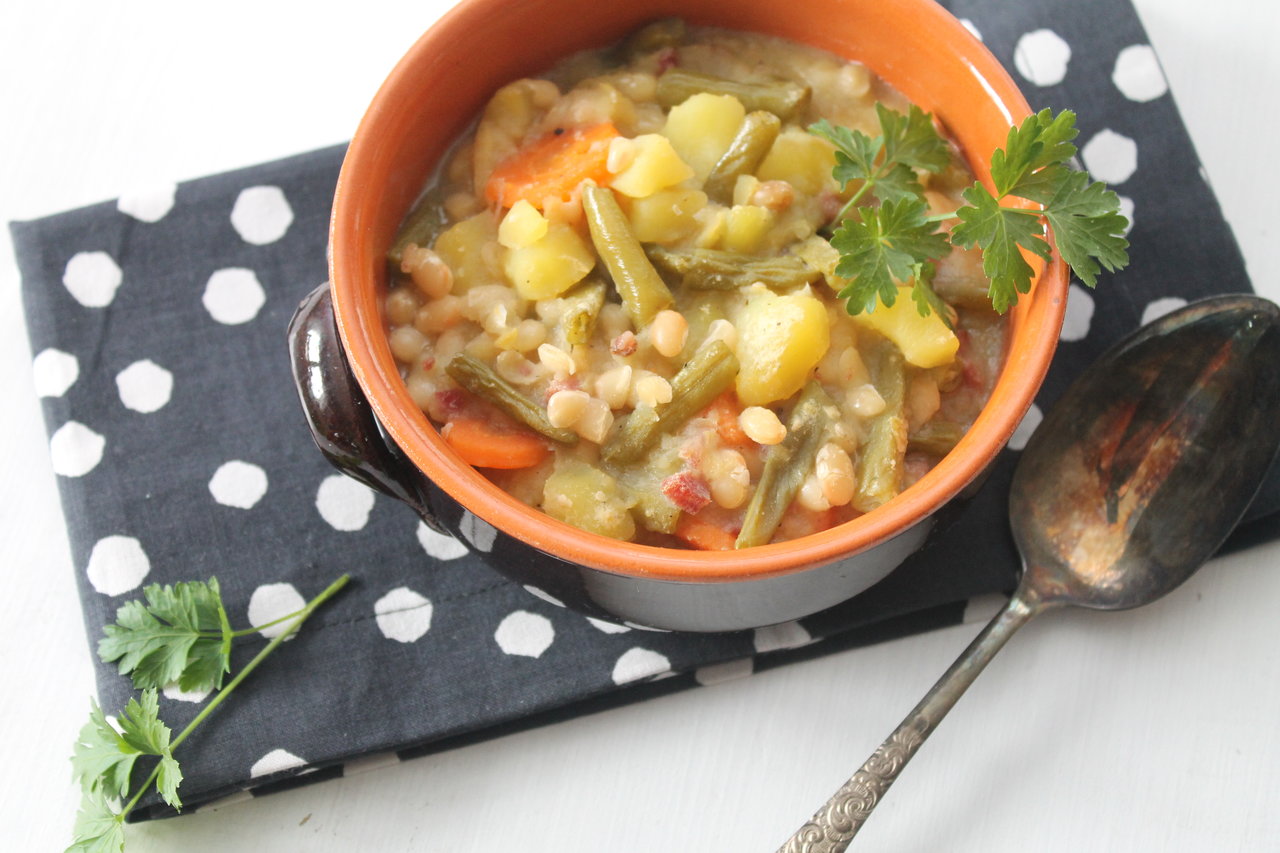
x=618 y=299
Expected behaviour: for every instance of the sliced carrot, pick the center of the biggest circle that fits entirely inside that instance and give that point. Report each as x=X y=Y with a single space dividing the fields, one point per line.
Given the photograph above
x=488 y=445
x=703 y=534
x=552 y=166
x=724 y=411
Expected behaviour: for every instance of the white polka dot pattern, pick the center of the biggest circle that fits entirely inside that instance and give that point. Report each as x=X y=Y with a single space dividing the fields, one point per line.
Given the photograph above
x=261 y=215
x=637 y=664
x=545 y=596
x=173 y=692
x=159 y=310
x=524 y=634
x=92 y=278
x=1157 y=308
x=1041 y=57
x=971 y=27
x=75 y=450
x=117 y=565
x=233 y=296
x=788 y=635
x=439 y=545
x=1137 y=74
x=1079 y=315
x=403 y=615
x=238 y=484
x=607 y=627
x=148 y=204
x=1026 y=427
x=1110 y=157
x=1126 y=210
x=276 y=761
x=144 y=386
x=344 y=503
x=273 y=601
x=53 y=372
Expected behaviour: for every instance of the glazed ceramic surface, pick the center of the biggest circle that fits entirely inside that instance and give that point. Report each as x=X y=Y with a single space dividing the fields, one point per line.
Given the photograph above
x=345 y=365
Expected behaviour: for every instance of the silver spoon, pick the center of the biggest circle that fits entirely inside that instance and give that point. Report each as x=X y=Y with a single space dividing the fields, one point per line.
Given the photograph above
x=1131 y=483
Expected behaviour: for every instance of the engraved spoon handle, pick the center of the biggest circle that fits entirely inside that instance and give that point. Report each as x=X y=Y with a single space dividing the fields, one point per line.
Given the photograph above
x=833 y=826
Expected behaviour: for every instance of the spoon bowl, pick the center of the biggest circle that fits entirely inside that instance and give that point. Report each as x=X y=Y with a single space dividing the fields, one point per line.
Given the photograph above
x=1149 y=460
x=1134 y=479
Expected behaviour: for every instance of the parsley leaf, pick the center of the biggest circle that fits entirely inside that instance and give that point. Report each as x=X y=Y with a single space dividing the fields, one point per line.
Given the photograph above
x=912 y=139
x=882 y=246
x=180 y=635
x=142 y=729
x=98 y=828
x=102 y=760
x=898 y=241
x=926 y=298
x=886 y=164
x=1087 y=225
x=1042 y=140
x=182 y=629
x=1085 y=216
x=999 y=231
x=856 y=152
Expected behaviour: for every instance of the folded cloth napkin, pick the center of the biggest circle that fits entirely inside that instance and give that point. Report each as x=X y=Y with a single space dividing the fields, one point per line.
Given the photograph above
x=157 y=324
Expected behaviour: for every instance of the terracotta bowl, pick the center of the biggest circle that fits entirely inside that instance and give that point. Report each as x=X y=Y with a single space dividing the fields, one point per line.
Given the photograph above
x=366 y=423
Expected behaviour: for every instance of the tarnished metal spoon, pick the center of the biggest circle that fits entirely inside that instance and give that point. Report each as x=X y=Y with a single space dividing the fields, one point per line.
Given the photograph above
x=1131 y=483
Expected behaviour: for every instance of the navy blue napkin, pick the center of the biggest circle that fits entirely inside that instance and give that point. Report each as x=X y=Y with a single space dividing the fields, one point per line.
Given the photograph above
x=157 y=327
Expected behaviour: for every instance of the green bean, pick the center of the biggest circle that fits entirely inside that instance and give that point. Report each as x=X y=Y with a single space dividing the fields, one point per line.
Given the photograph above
x=786 y=467
x=715 y=269
x=632 y=437
x=478 y=378
x=709 y=373
x=783 y=98
x=880 y=464
x=753 y=141
x=582 y=307
x=660 y=34
x=643 y=291
x=936 y=437
x=420 y=226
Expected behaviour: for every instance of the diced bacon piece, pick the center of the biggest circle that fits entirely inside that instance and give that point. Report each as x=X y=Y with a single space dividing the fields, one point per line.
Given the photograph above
x=688 y=490
x=624 y=344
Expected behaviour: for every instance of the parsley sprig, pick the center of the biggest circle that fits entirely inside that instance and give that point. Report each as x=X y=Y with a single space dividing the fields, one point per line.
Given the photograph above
x=180 y=636
x=885 y=235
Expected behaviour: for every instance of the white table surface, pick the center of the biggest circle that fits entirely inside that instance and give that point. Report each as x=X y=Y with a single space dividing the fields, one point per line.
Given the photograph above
x=1156 y=730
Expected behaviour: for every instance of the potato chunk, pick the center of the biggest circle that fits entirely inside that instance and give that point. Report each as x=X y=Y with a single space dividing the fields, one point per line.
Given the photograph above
x=522 y=226
x=549 y=265
x=802 y=160
x=656 y=166
x=586 y=497
x=924 y=341
x=780 y=340
x=746 y=227
x=665 y=216
x=462 y=245
x=701 y=129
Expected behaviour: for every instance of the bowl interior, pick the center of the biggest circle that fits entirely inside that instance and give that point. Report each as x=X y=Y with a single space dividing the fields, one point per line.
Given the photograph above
x=435 y=92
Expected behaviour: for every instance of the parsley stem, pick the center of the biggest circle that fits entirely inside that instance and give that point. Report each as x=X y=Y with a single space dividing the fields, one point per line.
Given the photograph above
x=240 y=676
x=245 y=632
x=853 y=200
x=298 y=618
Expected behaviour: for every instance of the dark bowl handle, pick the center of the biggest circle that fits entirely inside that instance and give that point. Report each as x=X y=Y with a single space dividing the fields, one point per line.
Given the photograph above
x=341 y=420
